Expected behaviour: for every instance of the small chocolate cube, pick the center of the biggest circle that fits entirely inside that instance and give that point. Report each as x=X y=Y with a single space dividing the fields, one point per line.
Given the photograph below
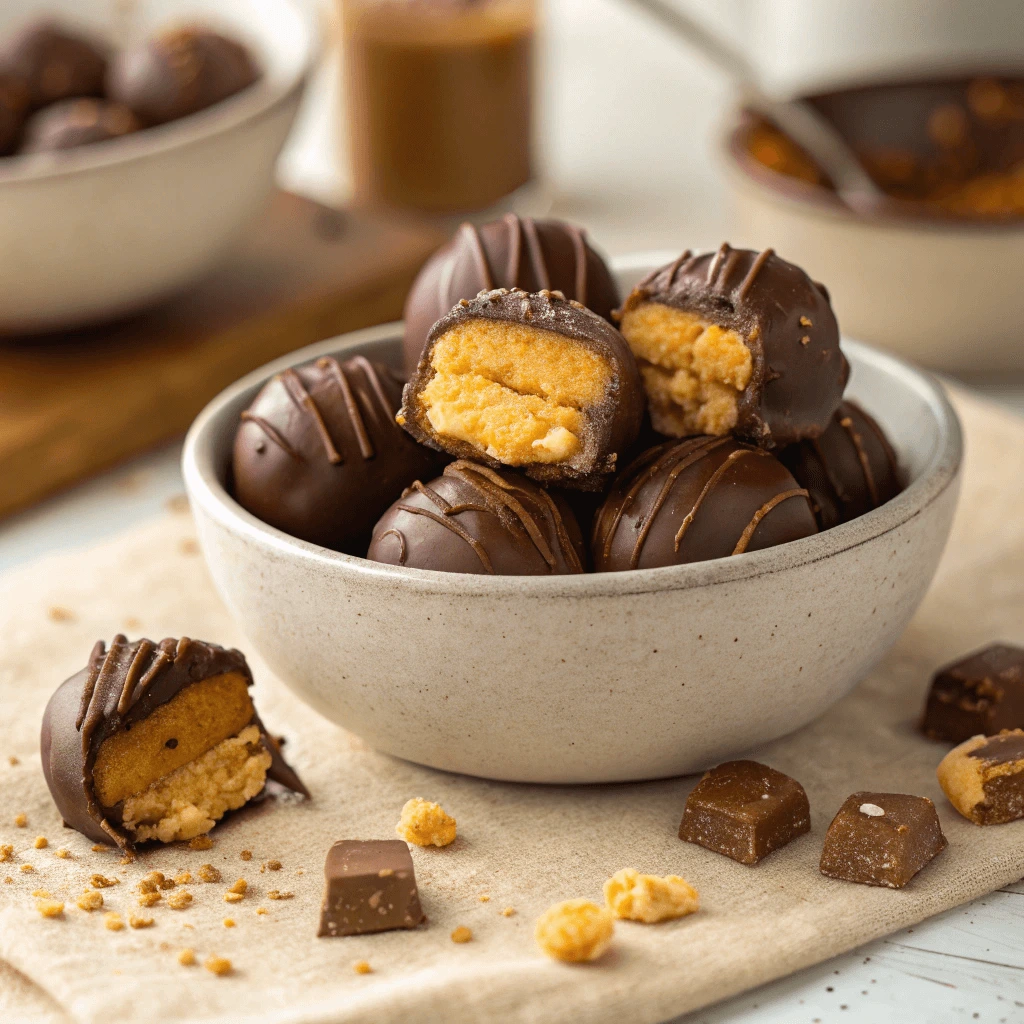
x=978 y=695
x=745 y=810
x=882 y=839
x=984 y=778
x=370 y=887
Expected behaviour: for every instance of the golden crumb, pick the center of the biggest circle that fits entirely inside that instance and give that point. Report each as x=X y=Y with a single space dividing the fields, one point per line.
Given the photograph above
x=26 y=869
x=59 y=614
x=41 y=842
x=50 y=908
x=240 y=887
x=805 y=340
x=484 y=898
x=246 y=855
x=41 y=894
x=150 y=899
x=208 y=873
x=21 y=820
x=100 y=848
x=63 y=853
x=112 y=920
x=100 y=882
x=131 y=622
x=385 y=872
x=229 y=922
x=154 y=879
x=462 y=934
x=147 y=887
x=649 y=898
x=425 y=824
x=362 y=967
x=508 y=911
x=137 y=921
x=261 y=910
x=805 y=322
x=233 y=897
x=574 y=931
x=187 y=957
x=179 y=900
x=273 y=865
x=128 y=858
x=6 y=852
x=184 y=878
x=218 y=965
x=90 y=900
x=200 y=843
x=8 y=880
x=13 y=761
x=188 y=546
x=276 y=894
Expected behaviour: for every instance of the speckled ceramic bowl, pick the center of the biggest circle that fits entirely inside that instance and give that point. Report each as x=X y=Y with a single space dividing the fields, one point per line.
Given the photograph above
x=594 y=678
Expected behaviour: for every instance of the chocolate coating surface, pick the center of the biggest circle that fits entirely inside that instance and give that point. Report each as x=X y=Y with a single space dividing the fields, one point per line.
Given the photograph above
x=475 y=519
x=120 y=687
x=318 y=453
x=514 y=252
x=53 y=63
x=849 y=470
x=178 y=73
x=77 y=122
x=14 y=106
x=797 y=371
x=701 y=498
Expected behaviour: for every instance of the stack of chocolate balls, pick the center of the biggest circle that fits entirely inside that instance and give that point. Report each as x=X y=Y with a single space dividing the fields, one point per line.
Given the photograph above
x=60 y=89
x=709 y=422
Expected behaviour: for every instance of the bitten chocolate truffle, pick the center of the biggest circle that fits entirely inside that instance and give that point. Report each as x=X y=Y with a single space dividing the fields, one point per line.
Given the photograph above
x=54 y=63
x=737 y=342
x=745 y=810
x=79 y=122
x=514 y=252
x=983 y=778
x=318 y=453
x=849 y=470
x=156 y=742
x=882 y=839
x=14 y=107
x=981 y=694
x=178 y=73
x=478 y=520
x=536 y=382
x=705 y=497
x=370 y=886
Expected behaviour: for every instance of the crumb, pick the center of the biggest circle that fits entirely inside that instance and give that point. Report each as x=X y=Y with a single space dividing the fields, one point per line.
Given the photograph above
x=126 y=859
x=385 y=872
x=140 y=922
x=100 y=848
x=362 y=967
x=148 y=886
x=177 y=503
x=574 y=931
x=261 y=910
x=240 y=887
x=8 y=880
x=179 y=900
x=131 y=622
x=184 y=878
x=153 y=881
x=461 y=934
x=200 y=843
x=208 y=873
x=273 y=865
x=484 y=898
x=63 y=853
x=300 y=871
x=41 y=894
x=425 y=824
x=150 y=899
x=233 y=897
x=246 y=855
x=188 y=546
x=229 y=922
x=508 y=911
x=649 y=898
x=218 y=965
x=6 y=852
x=90 y=900
x=13 y=761
x=50 y=908
x=187 y=957
x=99 y=882
x=59 y=614
x=276 y=894
x=26 y=869
x=41 y=842
x=21 y=820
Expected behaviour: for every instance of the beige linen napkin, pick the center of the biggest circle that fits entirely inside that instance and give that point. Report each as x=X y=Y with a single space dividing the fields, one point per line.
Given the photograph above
x=522 y=846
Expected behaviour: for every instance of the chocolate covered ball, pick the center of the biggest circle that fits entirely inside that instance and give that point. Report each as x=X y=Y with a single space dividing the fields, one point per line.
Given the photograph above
x=737 y=342
x=478 y=520
x=318 y=453
x=54 y=63
x=14 y=107
x=514 y=252
x=79 y=122
x=178 y=73
x=849 y=470
x=704 y=497
x=530 y=381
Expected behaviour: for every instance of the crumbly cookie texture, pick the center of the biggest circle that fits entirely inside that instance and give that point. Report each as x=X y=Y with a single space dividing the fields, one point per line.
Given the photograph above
x=574 y=931
x=426 y=824
x=649 y=898
x=191 y=799
x=983 y=777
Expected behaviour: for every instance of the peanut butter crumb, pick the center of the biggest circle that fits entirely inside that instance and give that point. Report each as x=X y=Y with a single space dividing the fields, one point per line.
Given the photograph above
x=100 y=882
x=187 y=957
x=805 y=340
x=273 y=865
x=276 y=894
x=261 y=910
x=508 y=911
x=179 y=900
x=41 y=842
x=425 y=824
x=100 y=848
x=188 y=546
x=208 y=873
x=148 y=886
x=649 y=898
x=233 y=897
x=484 y=898
x=240 y=887
x=184 y=878
x=137 y=921
x=21 y=820
x=112 y=920
x=6 y=852
x=13 y=761
x=362 y=967
x=50 y=908
x=218 y=965
x=805 y=322
x=57 y=613
x=200 y=843
x=385 y=872
x=150 y=899
x=26 y=869
x=8 y=880
x=575 y=931
x=90 y=900
x=462 y=934
x=246 y=855
x=229 y=922
x=63 y=853
x=41 y=894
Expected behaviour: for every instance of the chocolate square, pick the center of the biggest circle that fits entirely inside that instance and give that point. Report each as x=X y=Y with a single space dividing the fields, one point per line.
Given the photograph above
x=984 y=778
x=370 y=887
x=882 y=839
x=745 y=810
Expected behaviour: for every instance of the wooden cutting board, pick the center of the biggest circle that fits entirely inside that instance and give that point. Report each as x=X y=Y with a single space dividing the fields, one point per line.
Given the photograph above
x=75 y=403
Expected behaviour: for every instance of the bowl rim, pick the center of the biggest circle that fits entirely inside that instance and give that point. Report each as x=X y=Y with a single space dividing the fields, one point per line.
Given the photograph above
x=263 y=99
x=211 y=497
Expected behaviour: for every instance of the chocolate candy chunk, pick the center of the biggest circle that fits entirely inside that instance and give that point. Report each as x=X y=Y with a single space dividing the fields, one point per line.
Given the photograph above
x=984 y=777
x=14 y=105
x=178 y=73
x=475 y=519
x=882 y=839
x=849 y=470
x=514 y=252
x=318 y=453
x=745 y=810
x=79 y=122
x=156 y=742
x=531 y=381
x=370 y=887
x=736 y=342
x=981 y=694
x=705 y=497
x=53 y=63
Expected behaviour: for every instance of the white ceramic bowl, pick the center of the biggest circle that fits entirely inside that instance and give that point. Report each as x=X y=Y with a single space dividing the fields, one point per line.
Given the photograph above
x=595 y=678
x=97 y=232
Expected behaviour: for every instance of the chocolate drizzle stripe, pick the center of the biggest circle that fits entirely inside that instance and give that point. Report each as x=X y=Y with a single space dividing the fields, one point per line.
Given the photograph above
x=708 y=487
x=564 y=540
x=723 y=278
x=182 y=647
x=456 y=528
x=373 y=378
x=674 y=268
x=716 y=262
x=95 y=664
x=430 y=494
x=515 y=246
x=477 y=245
x=132 y=676
x=331 y=366
x=862 y=457
x=755 y=268
x=748 y=532
x=579 y=247
x=272 y=433
x=402 y=551
x=304 y=400
x=537 y=261
x=95 y=712
x=160 y=662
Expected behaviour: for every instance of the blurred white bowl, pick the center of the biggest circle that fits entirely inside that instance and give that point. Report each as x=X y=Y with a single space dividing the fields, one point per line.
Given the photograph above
x=93 y=233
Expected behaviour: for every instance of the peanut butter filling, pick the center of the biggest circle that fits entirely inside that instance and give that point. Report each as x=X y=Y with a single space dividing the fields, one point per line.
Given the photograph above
x=517 y=393
x=693 y=370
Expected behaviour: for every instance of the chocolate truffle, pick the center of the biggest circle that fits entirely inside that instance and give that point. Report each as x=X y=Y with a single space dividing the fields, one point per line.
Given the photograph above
x=705 y=497
x=318 y=453
x=536 y=382
x=54 y=63
x=983 y=778
x=156 y=742
x=737 y=342
x=849 y=470
x=478 y=520
x=981 y=694
x=14 y=107
x=178 y=73
x=79 y=122
x=514 y=252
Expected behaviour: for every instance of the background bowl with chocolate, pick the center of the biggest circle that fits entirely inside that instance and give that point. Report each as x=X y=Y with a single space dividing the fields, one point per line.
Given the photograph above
x=563 y=676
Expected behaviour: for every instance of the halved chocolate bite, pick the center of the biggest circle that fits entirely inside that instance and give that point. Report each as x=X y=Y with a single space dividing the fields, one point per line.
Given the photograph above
x=983 y=778
x=514 y=252
x=531 y=381
x=738 y=342
x=157 y=742
x=688 y=501
x=318 y=453
x=849 y=470
x=54 y=63
x=478 y=520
